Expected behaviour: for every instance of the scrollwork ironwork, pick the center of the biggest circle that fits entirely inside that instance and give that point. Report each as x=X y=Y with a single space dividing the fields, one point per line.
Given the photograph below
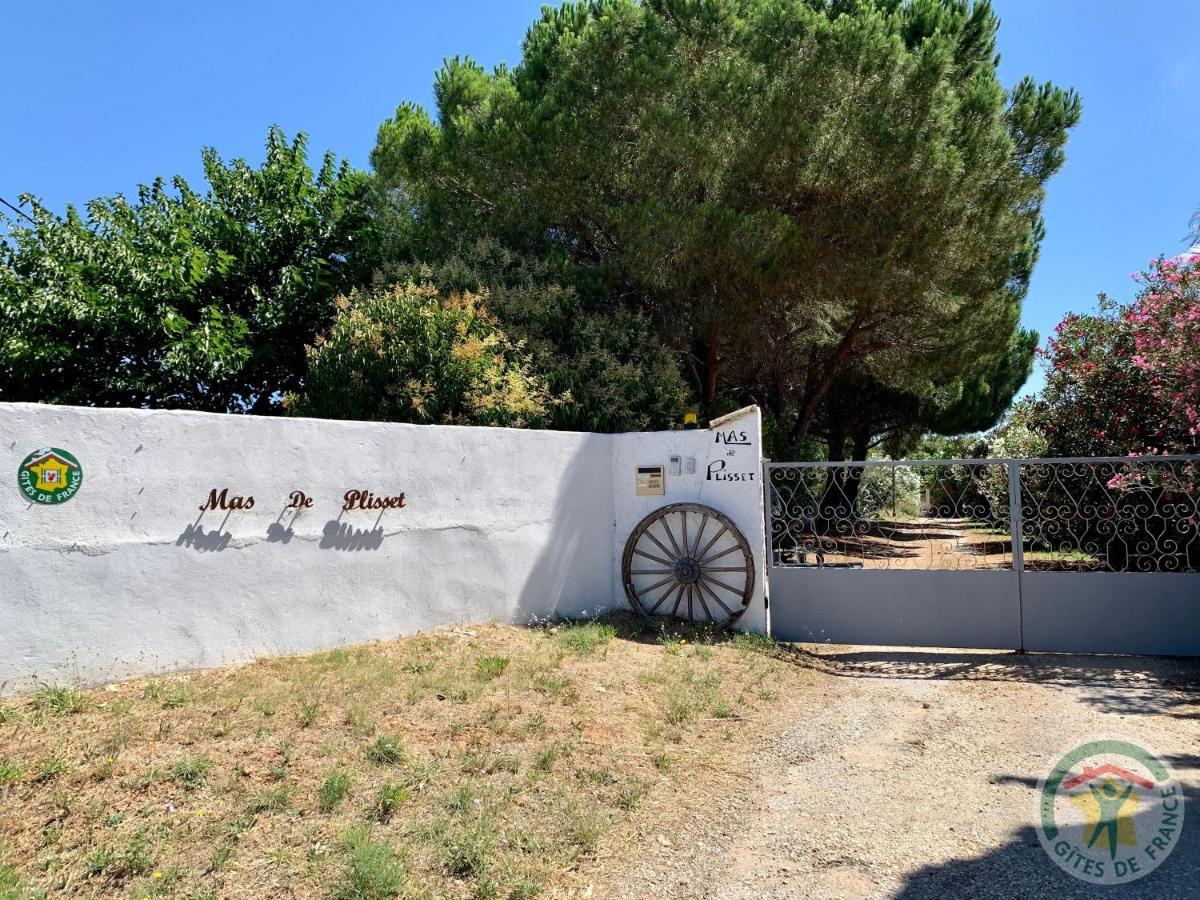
x=1133 y=515
x=1139 y=514
x=898 y=515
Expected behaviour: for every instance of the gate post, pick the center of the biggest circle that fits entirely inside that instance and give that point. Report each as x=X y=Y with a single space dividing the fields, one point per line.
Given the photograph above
x=1015 y=525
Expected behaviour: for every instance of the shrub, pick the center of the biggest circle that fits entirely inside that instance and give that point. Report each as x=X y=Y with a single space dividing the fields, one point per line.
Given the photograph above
x=407 y=354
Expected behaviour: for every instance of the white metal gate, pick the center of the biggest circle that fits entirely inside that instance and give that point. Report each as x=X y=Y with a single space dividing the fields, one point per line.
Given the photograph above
x=1096 y=555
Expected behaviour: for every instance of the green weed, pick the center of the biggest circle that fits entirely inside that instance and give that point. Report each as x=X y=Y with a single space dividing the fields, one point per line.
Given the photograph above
x=272 y=801
x=372 y=870
x=310 y=711
x=59 y=701
x=584 y=637
x=334 y=789
x=387 y=751
x=389 y=799
x=52 y=767
x=171 y=695
x=135 y=857
x=191 y=772
x=10 y=772
x=490 y=667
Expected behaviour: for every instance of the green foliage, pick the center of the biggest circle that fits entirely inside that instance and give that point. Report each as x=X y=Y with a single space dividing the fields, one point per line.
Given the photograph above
x=10 y=772
x=491 y=667
x=10 y=884
x=1126 y=379
x=790 y=191
x=334 y=789
x=192 y=772
x=389 y=799
x=310 y=710
x=59 y=701
x=387 y=751
x=885 y=491
x=585 y=637
x=372 y=870
x=406 y=354
x=135 y=856
x=179 y=298
x=601 y=361
x=275 y=800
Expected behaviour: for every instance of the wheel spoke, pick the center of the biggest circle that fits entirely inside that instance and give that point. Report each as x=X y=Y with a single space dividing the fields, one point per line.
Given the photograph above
x=732 y=549
x=650 y=587
x=678 y=600
x=712 y=593
x=661 y=546
x=707 y=613
x=716 y=537
x=699 y=534
x=727 y=587
x=723 y=568
x=684 y=542
x=668 y=593
x=650 y=571
x=665 y=562
x=671 y=536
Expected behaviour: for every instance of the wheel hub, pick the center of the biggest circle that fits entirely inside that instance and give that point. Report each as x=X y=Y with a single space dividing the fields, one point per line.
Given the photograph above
x=687 y=571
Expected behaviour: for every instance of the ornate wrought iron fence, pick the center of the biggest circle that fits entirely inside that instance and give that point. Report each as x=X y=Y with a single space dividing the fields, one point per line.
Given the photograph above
x=1139 y=514
x=1126 y=514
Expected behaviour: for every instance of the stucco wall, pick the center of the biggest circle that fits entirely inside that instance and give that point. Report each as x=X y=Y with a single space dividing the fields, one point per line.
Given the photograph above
x=728 y=467
x=130 y=577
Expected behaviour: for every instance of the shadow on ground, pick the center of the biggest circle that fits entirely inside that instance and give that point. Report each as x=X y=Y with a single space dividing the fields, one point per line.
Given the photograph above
x=1125 y=685
x=1128 y=685
x=1021 y=867
x=1018 y=867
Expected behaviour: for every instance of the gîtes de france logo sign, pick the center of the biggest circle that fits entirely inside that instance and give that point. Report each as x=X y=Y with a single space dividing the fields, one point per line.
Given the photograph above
x=50 y=475
x=1109 y=812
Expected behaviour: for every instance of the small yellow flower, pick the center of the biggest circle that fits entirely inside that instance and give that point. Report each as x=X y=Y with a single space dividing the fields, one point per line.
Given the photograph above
x=683 y=640
x=157 y=875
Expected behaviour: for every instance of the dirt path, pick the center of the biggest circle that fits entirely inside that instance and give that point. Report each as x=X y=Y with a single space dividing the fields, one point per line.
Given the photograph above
x=914 y=774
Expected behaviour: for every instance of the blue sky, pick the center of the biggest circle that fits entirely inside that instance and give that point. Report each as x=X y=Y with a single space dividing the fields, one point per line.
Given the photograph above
x=101 y=96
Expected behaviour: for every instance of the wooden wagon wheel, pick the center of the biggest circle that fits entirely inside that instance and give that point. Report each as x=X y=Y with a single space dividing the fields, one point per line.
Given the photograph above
x=688 y=561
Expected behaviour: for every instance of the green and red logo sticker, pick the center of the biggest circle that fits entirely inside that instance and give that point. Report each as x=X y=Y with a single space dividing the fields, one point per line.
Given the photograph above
x=49 y=476
x=1109 y=812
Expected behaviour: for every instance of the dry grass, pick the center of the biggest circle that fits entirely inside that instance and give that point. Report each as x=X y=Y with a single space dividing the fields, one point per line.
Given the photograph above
x=491 y=762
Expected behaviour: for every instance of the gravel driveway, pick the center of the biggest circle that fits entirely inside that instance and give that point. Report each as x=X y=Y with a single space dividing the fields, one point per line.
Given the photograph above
x=914 y=774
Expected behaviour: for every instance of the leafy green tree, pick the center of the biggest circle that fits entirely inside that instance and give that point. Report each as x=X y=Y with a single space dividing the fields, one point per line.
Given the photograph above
x=1126 y=379
x=179 y=298
x=790 y=190
x=603 y=363
x=862 y=412
x=408 y=354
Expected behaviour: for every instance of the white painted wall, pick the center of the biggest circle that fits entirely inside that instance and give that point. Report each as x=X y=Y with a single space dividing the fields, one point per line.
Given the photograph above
x=730 y=446
x=129 y=577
